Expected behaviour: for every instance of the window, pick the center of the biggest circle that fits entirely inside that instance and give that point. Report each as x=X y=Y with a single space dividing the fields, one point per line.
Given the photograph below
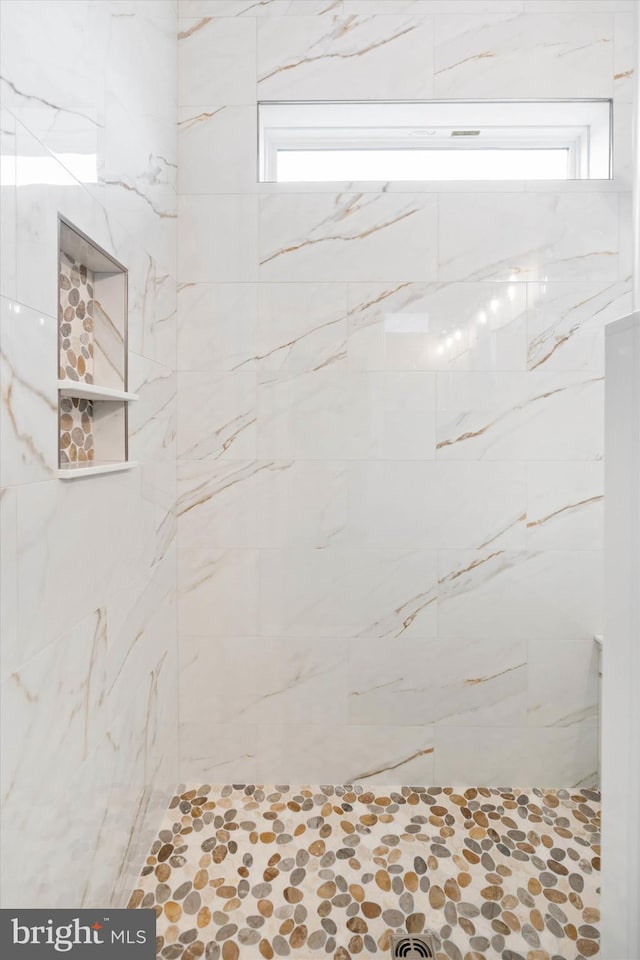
x=435 y=140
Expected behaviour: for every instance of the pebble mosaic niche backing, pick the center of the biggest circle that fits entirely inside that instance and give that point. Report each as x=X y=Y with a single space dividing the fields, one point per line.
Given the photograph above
x=76 y=345
x=76 y=430
x=332 y=871
x=76 y=330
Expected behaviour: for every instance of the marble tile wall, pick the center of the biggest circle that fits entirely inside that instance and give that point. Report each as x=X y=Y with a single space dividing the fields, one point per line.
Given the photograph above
x=390 y=534
x=89 y=635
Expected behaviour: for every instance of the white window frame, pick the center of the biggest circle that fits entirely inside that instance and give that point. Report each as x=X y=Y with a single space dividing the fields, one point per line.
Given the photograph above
x=581 y=127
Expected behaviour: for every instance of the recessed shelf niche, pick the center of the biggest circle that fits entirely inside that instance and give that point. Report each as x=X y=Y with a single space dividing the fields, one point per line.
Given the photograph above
x=92 y=358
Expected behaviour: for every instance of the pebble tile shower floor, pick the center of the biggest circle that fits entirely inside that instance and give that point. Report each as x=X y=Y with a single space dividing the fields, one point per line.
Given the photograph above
x=331 y=871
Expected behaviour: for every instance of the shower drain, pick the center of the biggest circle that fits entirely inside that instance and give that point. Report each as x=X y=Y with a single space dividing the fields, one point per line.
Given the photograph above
x=412 y=947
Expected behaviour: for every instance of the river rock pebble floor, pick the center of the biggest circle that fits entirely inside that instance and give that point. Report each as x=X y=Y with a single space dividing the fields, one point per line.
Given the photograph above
x=331 y=871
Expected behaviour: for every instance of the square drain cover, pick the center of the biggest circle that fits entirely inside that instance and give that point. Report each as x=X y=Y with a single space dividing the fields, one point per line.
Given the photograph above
x=412 y=947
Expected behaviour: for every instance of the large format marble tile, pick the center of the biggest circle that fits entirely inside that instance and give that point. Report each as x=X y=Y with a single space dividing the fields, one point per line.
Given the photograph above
x=545 y=755
x=218 y=501
x=322 y=58
x=10 y=657
x=57 y=698
x=301 y=326
x=245 y=680
x=257 y=8
x=622 y=148
x=425 y=7
x=8 y=190
x=372 y=236
x=480 y=682
x=565 y=754
x=578 y=6
x=562 y=682
x=399 y=504
x=152 y=303
x=436 y=326
x=623 y=57
x=472 y=754
x=531 y=416
x=217 y=149
x=93 y=93
x=327 y=414
x=266 y=503
x=565 y=505
x=45 y=189
x=61 y=520
x=341 y=592
x=59 y=92
x=209 y=252
x=216 y=416
x=142 y=671
x=303 y=415
x=216 y=60
x=531 y=56
x=136 y=154
x=355 y=754
x=87 y=859
x=217 y=326
x=527 y=236
x=565 y=323
x=550 y=593
x=213 y=752
x=152 y=418
x=28 y=417
x=217 y=590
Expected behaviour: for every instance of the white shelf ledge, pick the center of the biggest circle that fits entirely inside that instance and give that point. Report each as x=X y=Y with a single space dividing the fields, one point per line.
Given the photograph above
x=91 y=391
x=73 y=472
